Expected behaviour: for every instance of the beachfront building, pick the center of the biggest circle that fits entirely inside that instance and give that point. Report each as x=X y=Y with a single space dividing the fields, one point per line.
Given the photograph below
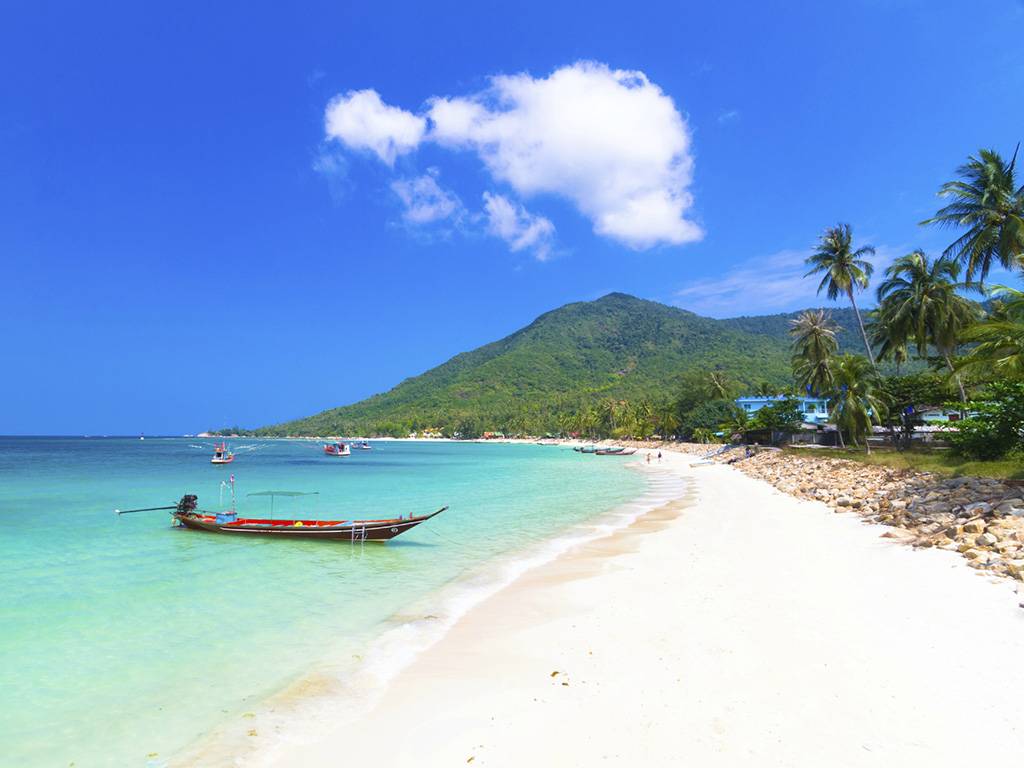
x=935 y=415
x=813 y=409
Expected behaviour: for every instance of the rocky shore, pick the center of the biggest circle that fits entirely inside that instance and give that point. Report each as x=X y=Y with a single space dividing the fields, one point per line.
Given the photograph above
x=981 y=518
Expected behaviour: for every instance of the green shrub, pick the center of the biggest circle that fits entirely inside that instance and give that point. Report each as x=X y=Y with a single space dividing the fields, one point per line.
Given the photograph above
x=995 y=426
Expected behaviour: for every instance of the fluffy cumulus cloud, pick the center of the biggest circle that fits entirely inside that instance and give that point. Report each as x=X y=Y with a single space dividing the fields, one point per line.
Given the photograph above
x=361 y=121
x=424 y=200
x=518 y=227
x=610 y=141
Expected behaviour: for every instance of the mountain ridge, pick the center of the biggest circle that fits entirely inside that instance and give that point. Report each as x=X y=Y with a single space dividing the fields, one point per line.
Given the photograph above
x=618 y=346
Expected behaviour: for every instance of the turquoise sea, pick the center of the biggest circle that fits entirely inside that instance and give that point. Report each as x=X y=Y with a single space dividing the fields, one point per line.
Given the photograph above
x=124 y=640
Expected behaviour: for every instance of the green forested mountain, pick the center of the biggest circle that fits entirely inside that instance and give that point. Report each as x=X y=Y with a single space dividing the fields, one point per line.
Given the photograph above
x=617 y=347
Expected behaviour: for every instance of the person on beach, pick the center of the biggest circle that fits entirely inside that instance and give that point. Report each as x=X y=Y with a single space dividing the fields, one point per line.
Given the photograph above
x=648 y=458
x=659 y=457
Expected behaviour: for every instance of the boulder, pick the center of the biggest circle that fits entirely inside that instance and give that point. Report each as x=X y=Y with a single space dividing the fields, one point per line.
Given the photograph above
x=974 y=526
x=978 y=508
x=985 y=540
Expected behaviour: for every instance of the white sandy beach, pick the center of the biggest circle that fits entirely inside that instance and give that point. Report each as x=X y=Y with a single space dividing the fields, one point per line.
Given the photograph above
x=737 y=627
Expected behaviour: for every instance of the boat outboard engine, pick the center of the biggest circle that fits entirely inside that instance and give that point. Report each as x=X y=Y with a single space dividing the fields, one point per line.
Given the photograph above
x=188 y=504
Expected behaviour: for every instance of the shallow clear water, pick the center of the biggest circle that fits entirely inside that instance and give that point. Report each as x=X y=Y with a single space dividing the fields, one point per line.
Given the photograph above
x=123 y=639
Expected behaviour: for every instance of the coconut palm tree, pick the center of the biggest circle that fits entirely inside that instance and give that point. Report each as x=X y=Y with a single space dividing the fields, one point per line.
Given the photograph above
x=919 y=303
x=736 y=424
x=998 y=338
x=608 y=412
x=845 y=270
x=856 y=402
x=988 y=203
x=719 y=385
x=643 y=418
x=666 y=419
x=889 y=337
x=814 y=346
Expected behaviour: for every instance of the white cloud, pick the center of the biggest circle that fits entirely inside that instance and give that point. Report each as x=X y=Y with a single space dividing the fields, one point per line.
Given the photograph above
x=517 y=226
x=425 y=200
x=774 y=283
x=608 y=140
x=361 y=121
x=728 y=116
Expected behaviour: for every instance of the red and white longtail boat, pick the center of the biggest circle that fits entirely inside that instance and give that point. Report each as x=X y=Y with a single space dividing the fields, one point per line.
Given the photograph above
x=187 y=514
x=337 y=449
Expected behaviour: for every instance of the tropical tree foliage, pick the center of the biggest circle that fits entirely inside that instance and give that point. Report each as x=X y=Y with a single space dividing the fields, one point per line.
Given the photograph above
x=920 y=304
x=996 y=425
x=814 y=346
x=998 y=339
x=844 y=269
x=856 y=403
x=987 y=202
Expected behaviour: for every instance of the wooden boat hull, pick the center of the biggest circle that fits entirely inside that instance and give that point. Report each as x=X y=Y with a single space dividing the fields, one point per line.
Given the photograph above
x=331 y=530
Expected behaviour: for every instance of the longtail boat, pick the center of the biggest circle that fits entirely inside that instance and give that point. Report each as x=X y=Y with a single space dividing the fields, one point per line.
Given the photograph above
x=615 y=451
x=337 y=449
x=187 y=514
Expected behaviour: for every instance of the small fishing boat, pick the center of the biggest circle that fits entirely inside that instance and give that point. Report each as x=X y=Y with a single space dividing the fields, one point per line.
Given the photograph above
x=615 y=451
x=585 y=449
x=362 y=445
x=337 y=449
x=221 y=454
x=187 y=515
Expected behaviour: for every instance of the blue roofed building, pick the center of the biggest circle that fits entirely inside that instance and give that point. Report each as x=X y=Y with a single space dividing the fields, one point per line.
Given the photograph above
x=814 y=409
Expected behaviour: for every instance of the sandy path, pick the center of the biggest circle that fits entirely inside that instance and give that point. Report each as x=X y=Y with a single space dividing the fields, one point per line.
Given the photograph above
x=747 y=628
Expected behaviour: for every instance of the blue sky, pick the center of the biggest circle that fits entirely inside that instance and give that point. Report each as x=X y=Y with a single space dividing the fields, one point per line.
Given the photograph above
x=235 y=213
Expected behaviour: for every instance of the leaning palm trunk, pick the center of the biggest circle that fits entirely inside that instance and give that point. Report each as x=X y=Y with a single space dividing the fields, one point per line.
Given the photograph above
x=863 y=333
x=956 y=376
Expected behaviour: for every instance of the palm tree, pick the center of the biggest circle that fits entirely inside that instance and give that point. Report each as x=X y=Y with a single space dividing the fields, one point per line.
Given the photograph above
x=585 y=421
x=643 y=416
x=998 y=338
x=919 y=303
x=889 y=337
x=814 y=346
x=845 y=270
x=766 y=389
x=666 y=419
x=735 y=424
x=608 y=416
x=719 y=385
x=988 y=203
x=856 y=402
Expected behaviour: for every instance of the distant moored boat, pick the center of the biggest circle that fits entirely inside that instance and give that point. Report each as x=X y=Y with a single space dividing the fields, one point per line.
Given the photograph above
x=337 y=449
x=221 y=454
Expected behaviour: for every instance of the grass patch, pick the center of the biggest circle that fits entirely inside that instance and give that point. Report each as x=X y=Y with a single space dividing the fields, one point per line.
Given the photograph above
x=940 y=462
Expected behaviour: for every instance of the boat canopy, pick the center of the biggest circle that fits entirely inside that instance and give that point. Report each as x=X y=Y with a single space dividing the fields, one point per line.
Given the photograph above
x=284 y=493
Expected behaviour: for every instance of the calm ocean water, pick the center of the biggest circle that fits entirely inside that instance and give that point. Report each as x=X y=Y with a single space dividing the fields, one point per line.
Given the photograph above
x=122 y=640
